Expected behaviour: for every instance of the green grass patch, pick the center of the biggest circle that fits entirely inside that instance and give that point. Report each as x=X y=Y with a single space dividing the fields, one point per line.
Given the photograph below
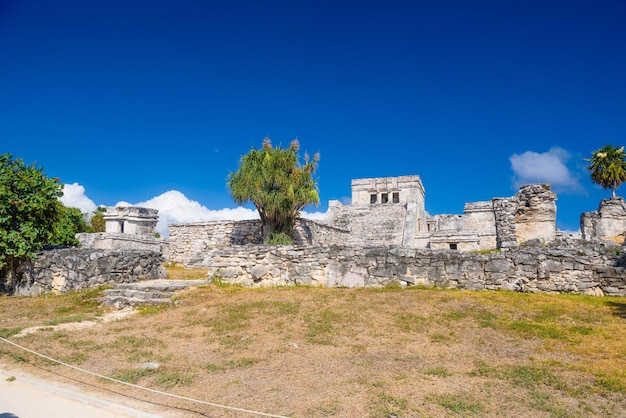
x=410 y=322
x=463 y=405
x=611 y=384
x=9 y=332
x=66 y=319
x=131 y=375
x=151 y=309
x=321 y=327
x=384 y=405
x=171 y=378
x=530 y=328
x=438 y=372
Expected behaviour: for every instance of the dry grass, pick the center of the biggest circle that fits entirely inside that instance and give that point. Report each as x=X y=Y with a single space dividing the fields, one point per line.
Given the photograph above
x=315 y=352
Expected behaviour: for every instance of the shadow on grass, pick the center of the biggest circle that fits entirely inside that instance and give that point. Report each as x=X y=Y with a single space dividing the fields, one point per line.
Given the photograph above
x=619 y=308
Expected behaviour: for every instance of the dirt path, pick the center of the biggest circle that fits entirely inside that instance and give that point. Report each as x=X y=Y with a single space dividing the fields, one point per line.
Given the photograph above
x=108 y=317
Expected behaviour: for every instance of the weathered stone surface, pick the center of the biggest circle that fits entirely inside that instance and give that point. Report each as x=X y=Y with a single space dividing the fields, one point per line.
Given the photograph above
x=63 y=270
x=541 y=269
x=608 y=223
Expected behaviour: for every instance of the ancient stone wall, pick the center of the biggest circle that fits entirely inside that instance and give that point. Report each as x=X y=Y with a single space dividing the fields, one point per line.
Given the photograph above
x=119 y=241
x=370 y=224
x=474 y=230
x=608 y=223
x=535 y=217
x=188 y=243
x=504 y=211
x=68 y=269
x=585 y=269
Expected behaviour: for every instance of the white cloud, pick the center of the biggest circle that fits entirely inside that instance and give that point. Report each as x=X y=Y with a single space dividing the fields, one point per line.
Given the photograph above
x=548 y=167
x=316 y=216
x=74 y=197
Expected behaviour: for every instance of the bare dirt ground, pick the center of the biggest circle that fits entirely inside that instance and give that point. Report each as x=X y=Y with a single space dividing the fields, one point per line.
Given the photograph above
x=313 y=352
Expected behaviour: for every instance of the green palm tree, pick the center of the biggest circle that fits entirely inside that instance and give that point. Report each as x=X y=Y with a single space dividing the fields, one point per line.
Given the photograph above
x=608 y=167
x=273 y=179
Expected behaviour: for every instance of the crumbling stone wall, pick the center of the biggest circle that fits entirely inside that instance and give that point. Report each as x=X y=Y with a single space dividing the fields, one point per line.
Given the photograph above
x=608 y=223
x=535 y=217
x=370 y=224
x=119 y=241
x=586 y=269
x=504 y=212
x=68 y=269
x=188 y=243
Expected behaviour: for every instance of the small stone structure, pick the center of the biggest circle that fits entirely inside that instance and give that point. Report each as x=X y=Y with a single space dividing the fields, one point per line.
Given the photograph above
x=608 y=223
x=127 y=228
x=131 y=220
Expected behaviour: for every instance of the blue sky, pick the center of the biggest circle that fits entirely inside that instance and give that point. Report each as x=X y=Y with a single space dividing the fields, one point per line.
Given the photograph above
x=154 y=102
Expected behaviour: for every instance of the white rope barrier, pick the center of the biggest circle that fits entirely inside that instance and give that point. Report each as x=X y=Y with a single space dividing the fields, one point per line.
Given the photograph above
x=140 y=387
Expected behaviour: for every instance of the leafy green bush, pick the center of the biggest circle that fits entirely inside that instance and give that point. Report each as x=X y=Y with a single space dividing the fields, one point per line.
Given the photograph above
x=278 y=238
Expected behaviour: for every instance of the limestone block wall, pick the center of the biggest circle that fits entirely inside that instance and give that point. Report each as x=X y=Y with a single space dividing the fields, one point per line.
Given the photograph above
x=607 y=223
x=371 y=224
x=585 y=269
x=474 y=230
x=309 y=232
x=188 y=243
x=63 y=270
x=535 y=217
x=504 y=212
x=479 y=216
x=119 y=241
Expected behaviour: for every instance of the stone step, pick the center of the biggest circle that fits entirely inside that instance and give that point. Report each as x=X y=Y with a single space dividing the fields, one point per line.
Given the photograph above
x=147 y=292
x=138 y=293
x=121 y=302
x=164 y=285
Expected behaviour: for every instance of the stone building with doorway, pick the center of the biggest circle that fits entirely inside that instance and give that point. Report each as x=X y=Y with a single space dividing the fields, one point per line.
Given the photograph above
x=127 y=227
x=391 y=211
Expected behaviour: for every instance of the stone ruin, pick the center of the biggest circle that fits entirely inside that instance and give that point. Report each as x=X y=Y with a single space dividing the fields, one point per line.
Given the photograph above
x=384 y=236
x=608 y=223
x=127 y=228
x=127 y=252
x=131 y=220
x=391 y=211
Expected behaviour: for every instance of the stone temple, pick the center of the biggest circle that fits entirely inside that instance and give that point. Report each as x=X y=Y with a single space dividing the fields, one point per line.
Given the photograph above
x=391 y=211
